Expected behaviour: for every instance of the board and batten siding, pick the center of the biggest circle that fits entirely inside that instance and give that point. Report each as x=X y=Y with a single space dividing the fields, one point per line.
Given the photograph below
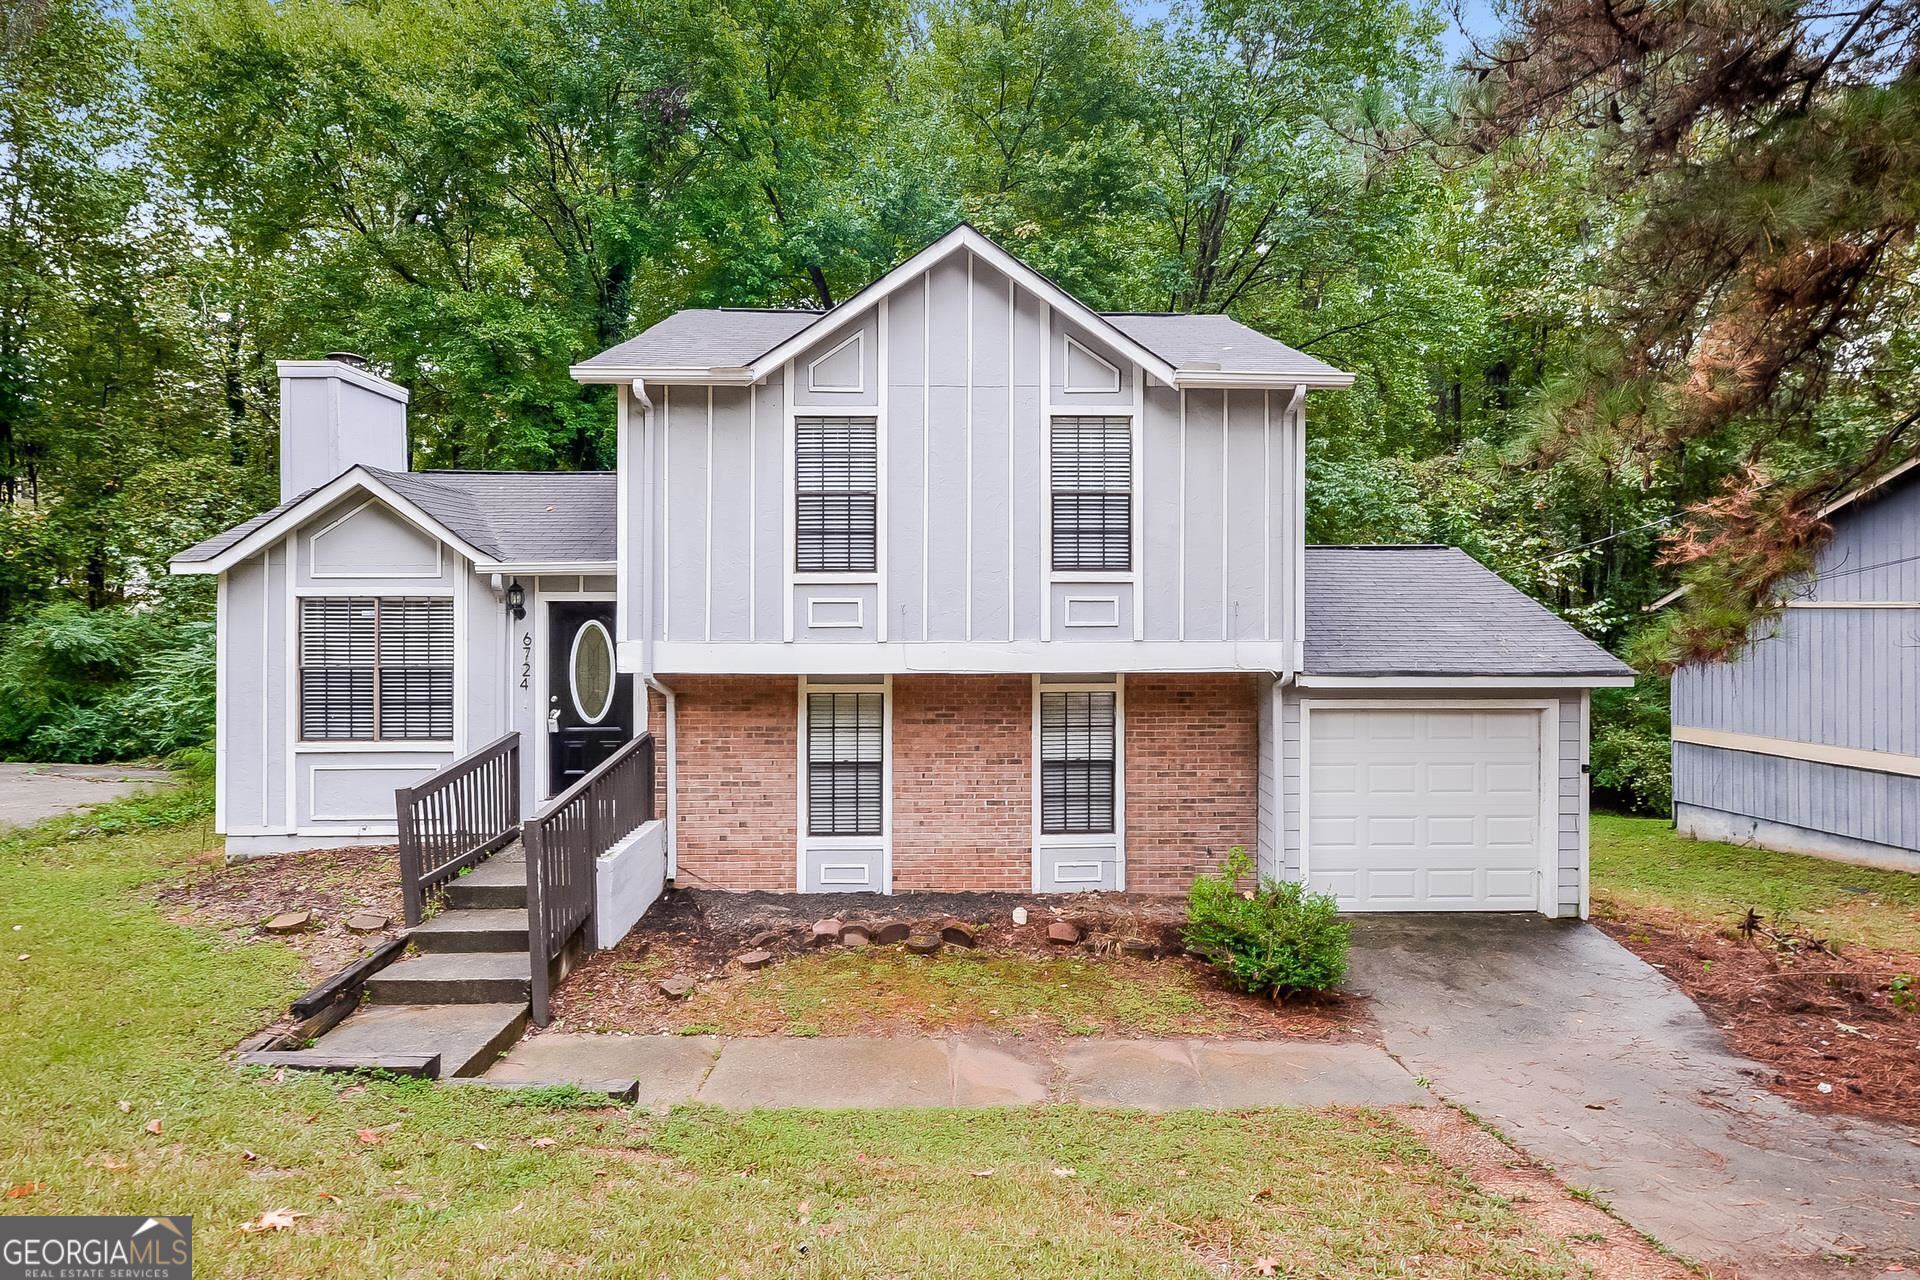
x=273 y=786
x=964 y=370
x=1839 y=668
x=1568 y=897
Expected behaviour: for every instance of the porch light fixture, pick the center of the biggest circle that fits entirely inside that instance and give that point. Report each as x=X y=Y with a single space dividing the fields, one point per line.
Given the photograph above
x=517 y=599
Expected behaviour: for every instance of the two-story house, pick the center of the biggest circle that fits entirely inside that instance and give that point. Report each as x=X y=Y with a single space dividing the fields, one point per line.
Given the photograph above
x=958 y=585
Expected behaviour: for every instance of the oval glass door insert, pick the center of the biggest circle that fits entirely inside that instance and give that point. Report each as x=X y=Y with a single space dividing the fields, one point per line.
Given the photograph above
x=592 y=672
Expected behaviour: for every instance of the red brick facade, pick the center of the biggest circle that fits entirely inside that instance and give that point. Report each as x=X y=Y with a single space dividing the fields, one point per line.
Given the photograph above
x=962 y=779
x=1193 y=774
x=963 y=782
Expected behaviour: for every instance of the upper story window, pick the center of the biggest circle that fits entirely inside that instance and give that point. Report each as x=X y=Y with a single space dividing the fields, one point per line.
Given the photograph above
x=1092 y=484
x=376 y=669
x=836 y=495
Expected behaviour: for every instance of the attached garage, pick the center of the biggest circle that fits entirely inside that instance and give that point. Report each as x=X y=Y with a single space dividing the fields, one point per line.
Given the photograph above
x=1430 y=808
x=1431 y=753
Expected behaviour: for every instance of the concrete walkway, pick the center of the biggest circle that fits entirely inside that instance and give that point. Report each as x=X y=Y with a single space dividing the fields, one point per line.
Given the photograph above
x=1594 y=1063
x=31 y=793
x=859 y=1072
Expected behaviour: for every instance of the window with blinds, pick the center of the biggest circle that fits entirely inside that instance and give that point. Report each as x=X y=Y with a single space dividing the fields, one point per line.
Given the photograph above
x=1092 y=485
x=375 y=670
x=846 y=760
x=836 y=495
x=1077 y=753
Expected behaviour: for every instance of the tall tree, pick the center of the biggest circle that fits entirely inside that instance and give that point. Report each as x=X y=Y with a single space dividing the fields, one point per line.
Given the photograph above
x=1755 y=308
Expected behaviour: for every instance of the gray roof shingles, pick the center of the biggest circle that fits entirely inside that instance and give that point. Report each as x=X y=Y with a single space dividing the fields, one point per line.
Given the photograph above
x=1433 y=611
x=519 y=517
x=734 y=337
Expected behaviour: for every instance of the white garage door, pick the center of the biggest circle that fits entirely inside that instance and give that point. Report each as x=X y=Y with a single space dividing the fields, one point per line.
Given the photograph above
x=1425 y=810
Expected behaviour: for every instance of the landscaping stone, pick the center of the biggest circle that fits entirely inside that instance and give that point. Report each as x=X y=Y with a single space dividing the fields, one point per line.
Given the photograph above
x=923 y=944
x=1137 y=949
x=826 y=931
x=854 y=935
x=959 y=934
x=368 y=921
x=678 y=987
x=290 y=922
x=766 y=938
x=891 y=932
x=756 y=959
x=1062 y=934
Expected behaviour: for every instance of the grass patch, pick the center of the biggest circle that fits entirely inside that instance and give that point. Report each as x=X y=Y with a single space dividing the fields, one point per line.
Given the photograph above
x=1641 y=865
x=850 y=992
x=120 y=1018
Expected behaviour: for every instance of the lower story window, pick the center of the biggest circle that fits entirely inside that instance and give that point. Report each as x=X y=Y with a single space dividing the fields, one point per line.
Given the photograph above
x=376 y=669
x=1077 y=755
x=846 y=759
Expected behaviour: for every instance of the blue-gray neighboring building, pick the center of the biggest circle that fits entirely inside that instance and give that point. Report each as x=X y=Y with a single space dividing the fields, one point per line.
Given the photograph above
x=1809 y=740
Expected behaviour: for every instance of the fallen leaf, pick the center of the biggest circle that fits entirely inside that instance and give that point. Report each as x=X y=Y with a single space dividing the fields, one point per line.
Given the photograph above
x=24 y=1189
x=1063 y=1172
x=271 y=1220
x=370 y=1137
x=328 y=1195
x=541 y=1142
x=23 y=956
x=983 y=1173
x=108 y=1163
x=1596 y=1106
x=125 y=1106
x=153 y=1126
x=1265 y=1193
x=248 y=1156
x=481 y=1146
x=1264 y=1266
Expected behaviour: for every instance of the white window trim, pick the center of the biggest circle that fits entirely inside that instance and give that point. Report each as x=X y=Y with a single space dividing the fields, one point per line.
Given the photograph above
x=1067 y=387
x=296 y=719
x=1547 y=901
x=805 y=843
x=1043 y=841
x=791 y=576
x=1049 y=576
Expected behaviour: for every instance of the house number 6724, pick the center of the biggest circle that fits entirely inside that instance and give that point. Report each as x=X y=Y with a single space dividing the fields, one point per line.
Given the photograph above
x=526 y=660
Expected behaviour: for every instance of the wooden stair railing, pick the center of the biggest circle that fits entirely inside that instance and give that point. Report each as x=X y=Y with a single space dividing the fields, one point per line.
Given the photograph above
x=456 y=818
x=564 y=842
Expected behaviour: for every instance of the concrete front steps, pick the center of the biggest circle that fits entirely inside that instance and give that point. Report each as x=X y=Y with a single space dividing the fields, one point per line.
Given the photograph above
x=461 y=997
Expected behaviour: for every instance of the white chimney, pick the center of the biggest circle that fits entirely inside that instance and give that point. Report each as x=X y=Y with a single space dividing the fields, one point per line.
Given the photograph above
x=335 y=414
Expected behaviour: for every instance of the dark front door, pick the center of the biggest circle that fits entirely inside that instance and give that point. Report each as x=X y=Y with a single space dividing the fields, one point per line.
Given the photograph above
x=589 y=706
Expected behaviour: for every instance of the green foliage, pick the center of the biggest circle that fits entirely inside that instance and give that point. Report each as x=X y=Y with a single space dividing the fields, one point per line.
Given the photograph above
x=1632 y=751
x=104 y=684
x=1277 y=939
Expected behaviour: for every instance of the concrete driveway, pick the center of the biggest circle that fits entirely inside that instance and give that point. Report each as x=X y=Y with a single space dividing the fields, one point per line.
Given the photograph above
x=1594 y=1063
x=31 y=793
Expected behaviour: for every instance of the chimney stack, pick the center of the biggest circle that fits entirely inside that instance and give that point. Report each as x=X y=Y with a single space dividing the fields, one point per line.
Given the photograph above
x=336 y=414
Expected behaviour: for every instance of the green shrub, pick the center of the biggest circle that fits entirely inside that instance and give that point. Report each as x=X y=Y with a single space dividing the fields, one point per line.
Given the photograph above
x=1632 y=754
x=1277 y=940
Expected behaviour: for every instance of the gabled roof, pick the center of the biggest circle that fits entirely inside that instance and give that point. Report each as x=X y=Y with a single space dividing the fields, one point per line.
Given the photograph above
x=1434 y=611
x=506 y=518
x=732 y=346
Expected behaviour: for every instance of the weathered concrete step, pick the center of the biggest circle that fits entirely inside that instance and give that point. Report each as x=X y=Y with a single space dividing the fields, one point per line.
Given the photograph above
x=473 y=929
x=499 y=883
x=466 y=1038
x=454 y=977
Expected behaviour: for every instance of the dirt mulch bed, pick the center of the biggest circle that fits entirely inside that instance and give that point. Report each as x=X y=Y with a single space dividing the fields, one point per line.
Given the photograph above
x=995 y=989
x=1813 y=1016
x=238 y=899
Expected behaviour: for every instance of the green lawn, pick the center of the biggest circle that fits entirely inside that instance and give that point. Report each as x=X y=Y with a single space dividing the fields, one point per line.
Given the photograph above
x=117 y=1018
x=1641 y=865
